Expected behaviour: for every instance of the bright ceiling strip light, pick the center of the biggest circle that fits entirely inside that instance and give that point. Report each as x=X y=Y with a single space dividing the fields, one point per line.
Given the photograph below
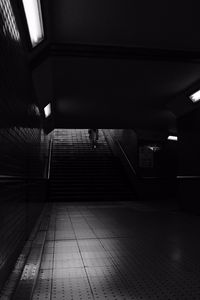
x=172 y=138
x=47 y=110
x=195 y=97
x=33 y=13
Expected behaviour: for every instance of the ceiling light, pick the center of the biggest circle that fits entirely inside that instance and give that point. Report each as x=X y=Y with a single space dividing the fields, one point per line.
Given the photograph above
x=47 y=110
x=33 y=14
x=195 y=97
x=172 y=138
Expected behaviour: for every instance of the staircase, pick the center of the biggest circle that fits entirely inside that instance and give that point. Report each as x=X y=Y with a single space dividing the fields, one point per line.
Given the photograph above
x=80 y=173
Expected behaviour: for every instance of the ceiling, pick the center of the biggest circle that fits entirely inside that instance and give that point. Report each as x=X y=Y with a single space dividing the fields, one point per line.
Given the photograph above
x=122 y=63
x=118 y=93
x=159 y=24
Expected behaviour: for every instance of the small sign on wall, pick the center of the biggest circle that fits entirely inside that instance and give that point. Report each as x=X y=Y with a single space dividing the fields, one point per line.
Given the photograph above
x=146 y=159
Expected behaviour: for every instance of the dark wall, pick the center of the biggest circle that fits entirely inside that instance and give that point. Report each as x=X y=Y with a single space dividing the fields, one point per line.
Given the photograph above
x=157 y=168
x=21 y=155
x=127 y=141
x=189 y=143
x=157 y=158
x=189 y=160
x=153 y=174
x=42 y=80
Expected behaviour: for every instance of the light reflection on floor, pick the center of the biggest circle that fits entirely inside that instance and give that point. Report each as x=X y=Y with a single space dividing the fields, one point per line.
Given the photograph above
x=118 y=252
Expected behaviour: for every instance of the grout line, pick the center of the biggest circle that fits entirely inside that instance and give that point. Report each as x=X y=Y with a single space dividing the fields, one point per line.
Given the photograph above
x=111 y=255
x=52 y=272
x=82 y=259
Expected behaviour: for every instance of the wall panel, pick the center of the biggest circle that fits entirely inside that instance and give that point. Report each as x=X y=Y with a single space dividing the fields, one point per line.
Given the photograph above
x=22 y=182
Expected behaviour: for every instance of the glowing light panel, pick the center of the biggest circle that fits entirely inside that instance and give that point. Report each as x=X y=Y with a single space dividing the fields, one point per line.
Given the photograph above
x=172 y=138
x=33 y=13
x=47 y=110
x=195 y=97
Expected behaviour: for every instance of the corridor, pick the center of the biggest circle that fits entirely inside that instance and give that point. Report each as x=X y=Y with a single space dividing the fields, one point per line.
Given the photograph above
x=95 y=240
x=119 y=221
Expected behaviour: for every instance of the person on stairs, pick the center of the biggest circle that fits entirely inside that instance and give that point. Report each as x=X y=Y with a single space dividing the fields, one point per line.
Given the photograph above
x=93 y=136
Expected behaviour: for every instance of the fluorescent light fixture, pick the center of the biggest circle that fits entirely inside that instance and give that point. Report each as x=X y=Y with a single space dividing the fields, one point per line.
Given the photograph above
x=33 y=13
x=195 y=97
x=47 y=110
x=172 y=138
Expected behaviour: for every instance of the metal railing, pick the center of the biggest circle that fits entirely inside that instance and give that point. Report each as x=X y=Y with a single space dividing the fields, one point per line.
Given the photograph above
x=49 y=159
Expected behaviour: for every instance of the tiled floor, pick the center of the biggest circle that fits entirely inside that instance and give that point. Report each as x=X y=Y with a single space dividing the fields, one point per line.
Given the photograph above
x=118 y=251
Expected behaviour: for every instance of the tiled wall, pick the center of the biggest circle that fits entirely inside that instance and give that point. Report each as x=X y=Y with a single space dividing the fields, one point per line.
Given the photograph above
x=21 y=152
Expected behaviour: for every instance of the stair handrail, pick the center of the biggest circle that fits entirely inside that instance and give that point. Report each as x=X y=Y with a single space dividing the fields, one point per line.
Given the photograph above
x=49 y=158
x=115 y=141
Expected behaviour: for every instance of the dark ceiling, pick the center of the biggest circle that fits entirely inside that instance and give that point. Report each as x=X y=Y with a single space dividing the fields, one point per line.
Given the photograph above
x=159 y=24
x=122 y=63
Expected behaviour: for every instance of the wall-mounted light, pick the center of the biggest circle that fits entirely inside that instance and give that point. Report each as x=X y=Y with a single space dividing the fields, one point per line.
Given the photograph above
x=154 y=148
x=47 y=110
x=195 y=97
x=172 y=138
x=33 y=14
